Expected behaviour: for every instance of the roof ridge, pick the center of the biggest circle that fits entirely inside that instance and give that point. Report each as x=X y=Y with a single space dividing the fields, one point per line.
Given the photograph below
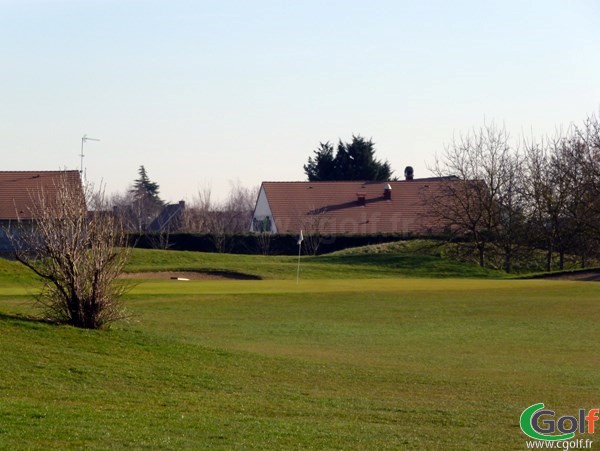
x=327 y=181
x=370 y=182
x=38 y=172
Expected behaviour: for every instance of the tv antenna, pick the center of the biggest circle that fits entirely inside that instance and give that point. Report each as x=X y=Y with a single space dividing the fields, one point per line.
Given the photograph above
x=84 y=138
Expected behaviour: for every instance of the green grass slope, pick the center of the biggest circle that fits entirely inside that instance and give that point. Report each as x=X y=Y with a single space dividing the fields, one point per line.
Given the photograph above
x=12 y=272
x=402 y=259
x=407 y=262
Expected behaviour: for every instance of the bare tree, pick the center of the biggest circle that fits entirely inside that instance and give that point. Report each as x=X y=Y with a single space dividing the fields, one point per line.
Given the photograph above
x=550 y=188
x=313 y=224
x=217 y=223
x=510 y=206
x=121 y=204
x=546 y=197
x=194 y=217
x=589 y=136
x=478 y=191
x=77 y=254
x=581 y=216
x=239 y=207
x=222 y=219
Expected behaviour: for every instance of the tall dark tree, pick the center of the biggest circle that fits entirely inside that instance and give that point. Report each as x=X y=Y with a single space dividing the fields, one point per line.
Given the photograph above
x=356 y=161
x=146 y=201
x=144 y=188
x=353 y=161
x=322 y=167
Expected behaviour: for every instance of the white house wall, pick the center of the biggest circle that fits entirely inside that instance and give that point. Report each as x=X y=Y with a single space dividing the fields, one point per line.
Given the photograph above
x=262 y=210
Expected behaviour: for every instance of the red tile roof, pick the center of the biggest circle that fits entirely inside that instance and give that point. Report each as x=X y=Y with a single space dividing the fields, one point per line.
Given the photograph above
x=18 y=188
x=334 y=207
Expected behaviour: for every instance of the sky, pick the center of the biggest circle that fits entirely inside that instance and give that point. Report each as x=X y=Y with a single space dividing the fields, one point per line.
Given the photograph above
x=206 y=94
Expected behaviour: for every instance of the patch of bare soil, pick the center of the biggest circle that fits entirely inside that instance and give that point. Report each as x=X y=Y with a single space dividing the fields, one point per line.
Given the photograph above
x=189 y=275
x=589 y=275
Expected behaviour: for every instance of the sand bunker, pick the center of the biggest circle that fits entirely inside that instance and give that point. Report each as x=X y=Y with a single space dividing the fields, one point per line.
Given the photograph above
x=591 y=275
x=190 y=275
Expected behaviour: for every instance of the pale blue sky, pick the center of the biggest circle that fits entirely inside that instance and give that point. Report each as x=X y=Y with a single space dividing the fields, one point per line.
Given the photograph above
x=206 y=92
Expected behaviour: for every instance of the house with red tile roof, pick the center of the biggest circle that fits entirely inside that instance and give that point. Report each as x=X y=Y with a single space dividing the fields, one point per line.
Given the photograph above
x=353 y=207
x=18 y=190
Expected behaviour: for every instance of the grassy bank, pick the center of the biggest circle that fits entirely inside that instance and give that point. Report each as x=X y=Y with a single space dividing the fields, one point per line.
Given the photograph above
x=342 y=265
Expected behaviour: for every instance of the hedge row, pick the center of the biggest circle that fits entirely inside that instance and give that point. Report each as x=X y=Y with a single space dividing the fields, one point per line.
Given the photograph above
x=280 y=244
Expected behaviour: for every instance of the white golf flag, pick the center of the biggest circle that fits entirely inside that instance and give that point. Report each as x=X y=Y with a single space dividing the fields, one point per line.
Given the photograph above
x=300 y=238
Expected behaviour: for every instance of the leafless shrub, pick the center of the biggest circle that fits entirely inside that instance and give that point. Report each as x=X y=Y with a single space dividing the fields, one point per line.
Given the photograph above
x=77 y=254
x=160 y=240
x=263 y=242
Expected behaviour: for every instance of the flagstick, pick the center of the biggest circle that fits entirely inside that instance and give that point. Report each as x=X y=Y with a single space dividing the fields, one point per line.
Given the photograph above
x=300 y=239
x=298 y=271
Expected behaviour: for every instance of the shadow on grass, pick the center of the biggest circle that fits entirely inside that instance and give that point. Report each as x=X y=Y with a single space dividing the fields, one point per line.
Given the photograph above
x=19 y=317
x=583 y=275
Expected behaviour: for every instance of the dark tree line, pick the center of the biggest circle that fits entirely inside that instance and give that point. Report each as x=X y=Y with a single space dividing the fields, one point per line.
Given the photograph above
x=541 y=195
x=352 y=161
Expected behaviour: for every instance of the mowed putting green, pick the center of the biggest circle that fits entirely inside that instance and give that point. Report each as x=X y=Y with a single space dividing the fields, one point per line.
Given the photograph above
x=334 y=364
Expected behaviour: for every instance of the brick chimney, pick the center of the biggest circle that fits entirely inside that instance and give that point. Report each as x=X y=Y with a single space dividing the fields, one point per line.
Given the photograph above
x=361 y=198
x=387 y=192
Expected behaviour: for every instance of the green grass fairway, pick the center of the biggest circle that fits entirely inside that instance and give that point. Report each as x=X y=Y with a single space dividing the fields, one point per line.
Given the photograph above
x=323 y=364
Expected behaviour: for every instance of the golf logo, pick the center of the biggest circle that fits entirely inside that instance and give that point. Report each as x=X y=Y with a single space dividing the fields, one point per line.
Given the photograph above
x=541 y=424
